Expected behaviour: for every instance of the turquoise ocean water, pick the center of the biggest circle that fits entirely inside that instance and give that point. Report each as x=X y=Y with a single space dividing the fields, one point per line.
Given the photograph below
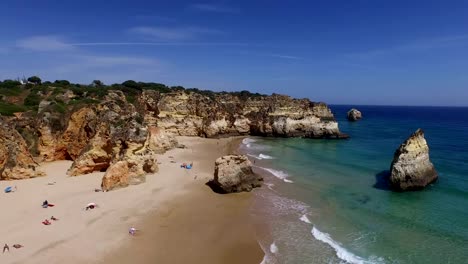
x=325 y=201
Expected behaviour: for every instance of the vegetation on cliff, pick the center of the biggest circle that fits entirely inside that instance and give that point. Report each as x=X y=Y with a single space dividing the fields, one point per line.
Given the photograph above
x=119 y=128
x=23 y=96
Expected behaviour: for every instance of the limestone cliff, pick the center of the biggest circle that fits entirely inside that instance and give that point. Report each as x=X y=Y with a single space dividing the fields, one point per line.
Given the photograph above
x=411 y=167
x=100 y=129
x=118 y=130
x=193 y=114
x=15 y=160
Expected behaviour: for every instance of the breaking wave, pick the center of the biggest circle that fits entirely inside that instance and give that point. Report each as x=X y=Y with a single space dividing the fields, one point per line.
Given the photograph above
x=278 y=174
x=341 y=252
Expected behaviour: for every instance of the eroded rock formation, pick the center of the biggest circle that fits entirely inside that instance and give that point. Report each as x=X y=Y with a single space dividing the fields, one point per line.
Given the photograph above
x=233 y=173
x=411 y=167
x=354 y=115
x=120 y=134
x=225 y=115
x=15 y=160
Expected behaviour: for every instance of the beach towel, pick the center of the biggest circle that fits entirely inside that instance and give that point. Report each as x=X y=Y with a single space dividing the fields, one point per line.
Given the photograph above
x=188 y=167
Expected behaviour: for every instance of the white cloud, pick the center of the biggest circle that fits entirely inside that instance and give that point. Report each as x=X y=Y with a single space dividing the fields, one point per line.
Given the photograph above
x=110 y=61
x=285 y=56
x=43 y=43
x=173 y=33
x=214 y=8
x=161 y=44
x=423 y=45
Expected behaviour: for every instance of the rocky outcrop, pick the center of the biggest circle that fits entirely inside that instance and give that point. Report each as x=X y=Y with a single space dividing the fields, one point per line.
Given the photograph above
x=107 y=131
x=15 y=160
x=233 y=173
x=80 y=130
x=193 y=114
x=354 y=115
x=129 y=171
x=160 y=141
x=113 y=125
x=411 y=167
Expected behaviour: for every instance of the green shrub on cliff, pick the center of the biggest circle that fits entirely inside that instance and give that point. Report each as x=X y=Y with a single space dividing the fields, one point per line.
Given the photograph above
x=8 y=109
x=33 y=99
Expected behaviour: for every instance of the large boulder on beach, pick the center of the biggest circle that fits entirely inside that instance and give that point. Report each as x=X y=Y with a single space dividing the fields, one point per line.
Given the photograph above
x=233 y=173
x=411 y=167
x=354 y=115
x=130 y=171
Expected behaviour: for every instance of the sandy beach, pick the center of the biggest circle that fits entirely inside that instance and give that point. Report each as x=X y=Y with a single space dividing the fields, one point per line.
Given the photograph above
x=180 y=220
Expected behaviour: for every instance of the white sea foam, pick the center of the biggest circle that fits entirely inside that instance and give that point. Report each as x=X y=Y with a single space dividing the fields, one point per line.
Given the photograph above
x=263 y=156
x=305 y=219
x=341 y=252
x=248 y=142
x=270 y=186
x=253 y=156
x=273 y=248
x=278 y=174
x=259 y=157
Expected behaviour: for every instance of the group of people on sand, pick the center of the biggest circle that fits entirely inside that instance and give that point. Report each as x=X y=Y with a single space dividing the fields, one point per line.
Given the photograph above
x=187 y=166
x=6 y=248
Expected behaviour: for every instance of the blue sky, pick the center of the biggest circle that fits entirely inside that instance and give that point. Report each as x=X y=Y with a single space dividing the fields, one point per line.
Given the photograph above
x=340 y=52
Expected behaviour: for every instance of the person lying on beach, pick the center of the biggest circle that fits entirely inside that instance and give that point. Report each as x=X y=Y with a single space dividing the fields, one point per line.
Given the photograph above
x=17 y=246
x=132 y=231
x=184 y=165
x=46 y=222
x=91 y=206
x=53 y=218
x=6 y=248
x=97 y=190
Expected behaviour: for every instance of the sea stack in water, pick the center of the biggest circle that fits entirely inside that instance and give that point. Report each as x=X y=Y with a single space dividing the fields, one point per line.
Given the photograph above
x=411 y=167
x=354 y=115
x=233 y=173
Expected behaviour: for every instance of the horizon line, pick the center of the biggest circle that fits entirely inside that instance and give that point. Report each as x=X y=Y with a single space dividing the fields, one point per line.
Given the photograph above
x=448 y=106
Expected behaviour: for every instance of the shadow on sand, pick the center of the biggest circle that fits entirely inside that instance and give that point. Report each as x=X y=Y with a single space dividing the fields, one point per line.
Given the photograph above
x=382 y=181
x=215 y=188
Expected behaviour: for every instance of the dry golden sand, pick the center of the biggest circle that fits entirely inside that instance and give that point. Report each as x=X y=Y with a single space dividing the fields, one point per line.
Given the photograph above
x=181 y=220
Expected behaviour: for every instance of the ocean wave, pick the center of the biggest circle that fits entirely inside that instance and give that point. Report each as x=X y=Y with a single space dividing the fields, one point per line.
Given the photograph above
x=341 y=252
x=278 y=174
x=263 y=156
x=247 y=141
x=270 y=186
x=305 y=219
x=260 y=157
x=273 y=248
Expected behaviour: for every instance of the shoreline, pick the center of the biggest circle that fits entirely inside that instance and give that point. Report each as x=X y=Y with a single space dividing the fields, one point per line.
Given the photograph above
x=199 y=227
x=180 y=219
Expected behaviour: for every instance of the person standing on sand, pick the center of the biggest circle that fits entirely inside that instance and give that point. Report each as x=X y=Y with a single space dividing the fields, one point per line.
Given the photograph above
x=6 y=248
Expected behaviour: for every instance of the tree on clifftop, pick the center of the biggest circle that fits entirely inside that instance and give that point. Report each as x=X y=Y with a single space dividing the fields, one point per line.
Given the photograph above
x=97 y=83
x=35 y=80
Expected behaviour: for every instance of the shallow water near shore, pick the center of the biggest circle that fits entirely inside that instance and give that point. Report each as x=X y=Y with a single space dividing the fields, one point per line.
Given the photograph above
x=325 y=201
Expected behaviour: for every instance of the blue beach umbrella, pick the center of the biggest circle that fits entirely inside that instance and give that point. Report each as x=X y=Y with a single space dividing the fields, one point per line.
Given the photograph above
x=8 y=189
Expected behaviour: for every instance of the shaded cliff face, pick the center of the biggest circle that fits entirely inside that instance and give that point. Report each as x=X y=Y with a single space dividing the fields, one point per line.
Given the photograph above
x=226 y=115
x=15 y=160
x=411 y=167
